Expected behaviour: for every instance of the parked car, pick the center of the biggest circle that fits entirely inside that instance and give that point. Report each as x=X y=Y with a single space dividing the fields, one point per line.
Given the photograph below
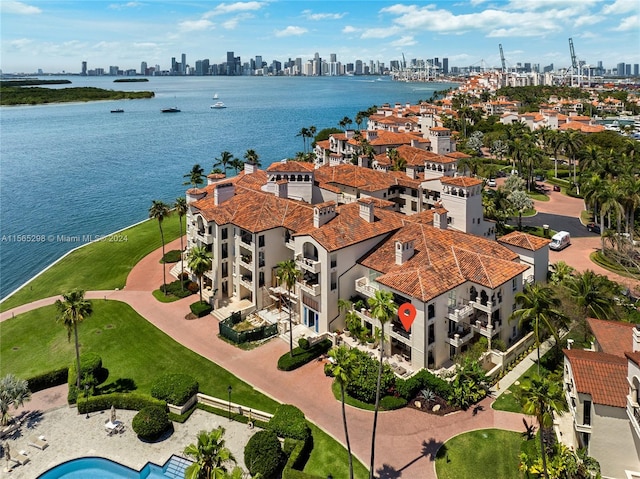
x=593 y=227
x=556 y=188
x=491 y=182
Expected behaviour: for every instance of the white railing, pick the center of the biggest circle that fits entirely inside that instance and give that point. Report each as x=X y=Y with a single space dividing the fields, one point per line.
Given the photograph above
x=234 y=408
x=365 y=287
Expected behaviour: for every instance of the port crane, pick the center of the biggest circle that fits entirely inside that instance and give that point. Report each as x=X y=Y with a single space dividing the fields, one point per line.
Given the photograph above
x=504 y=63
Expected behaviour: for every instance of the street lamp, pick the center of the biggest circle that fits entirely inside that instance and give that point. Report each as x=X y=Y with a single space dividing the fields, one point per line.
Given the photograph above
x=229 y=391
x=86 y=399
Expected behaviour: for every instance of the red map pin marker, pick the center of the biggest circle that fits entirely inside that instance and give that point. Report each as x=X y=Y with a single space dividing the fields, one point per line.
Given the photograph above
x=407 y=313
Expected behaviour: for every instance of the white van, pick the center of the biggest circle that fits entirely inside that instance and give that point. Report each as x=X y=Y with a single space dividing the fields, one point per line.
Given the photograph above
x=560 y=240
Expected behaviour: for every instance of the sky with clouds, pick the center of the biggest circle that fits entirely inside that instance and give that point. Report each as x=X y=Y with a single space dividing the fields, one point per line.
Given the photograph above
x=58 y=35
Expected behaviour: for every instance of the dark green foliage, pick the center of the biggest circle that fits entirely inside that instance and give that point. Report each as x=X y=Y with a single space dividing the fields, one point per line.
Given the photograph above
x=234 y=417
x=172 y=256
x=423 y=379
x=227 y=330
x=389 y=403
x=175 y=389
x=289 y=422
x=200 y=309
x=193 y=286
x=263 y=455
x=303 y=343
x=325 y=133
x=130 y=80
x=31 y=82
x=176 y=289
x=151 y=422
x=470 y=384
x=301 y=357
x=90 y=365
x=298 y=452
x=48 y=380
x=182 y=418
x=363 y=386
x=328 y=370
x=129 y=401
x=37 y=95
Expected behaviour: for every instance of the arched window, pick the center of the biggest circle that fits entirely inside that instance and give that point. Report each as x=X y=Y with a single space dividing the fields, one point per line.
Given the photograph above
x=473 y=293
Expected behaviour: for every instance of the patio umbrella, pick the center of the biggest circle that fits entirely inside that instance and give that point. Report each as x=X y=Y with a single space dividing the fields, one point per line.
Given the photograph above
x=113 y=414
x=7 y=453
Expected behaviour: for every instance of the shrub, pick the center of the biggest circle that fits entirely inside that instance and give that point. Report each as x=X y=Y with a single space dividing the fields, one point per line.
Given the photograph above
x=328 y=370
x=151 y=422
x=177 y=289
x=90 y=365
x=263 y=455
x=174 y=388
x=48 y=379
x=289 y=421
x=193 y=287
x=183 y=276
x=389 y=403
x=300 y=357
x=130 y=401
x=423 y=379
x=298 y=452
x=499 y=344
x=303 y=343
x=363 y=386
x=200 y=309
x=172 y=256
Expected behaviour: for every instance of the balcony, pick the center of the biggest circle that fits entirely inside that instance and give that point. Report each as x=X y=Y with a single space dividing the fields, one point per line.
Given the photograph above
x=204 y=237
x=633 y=411
x=488 y=307
x=364 y=286
x=246 y=239
x=462 y=335
x=247 y=280
x=311 y=288
x=308 y=264
x=246 y=260
x=398 y=329
x=486 y=329
x=460 y=312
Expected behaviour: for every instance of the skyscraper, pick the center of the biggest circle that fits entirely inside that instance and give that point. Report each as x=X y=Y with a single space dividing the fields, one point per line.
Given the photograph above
x=620 y=69
x=445 y=66
x=84 y=69
x=143 y=68
x=183 y=64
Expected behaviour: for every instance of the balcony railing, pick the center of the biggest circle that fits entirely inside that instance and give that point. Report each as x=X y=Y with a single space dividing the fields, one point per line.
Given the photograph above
x=311 y=288
x=461 y=336
x=399 y=329
x=460 y=313
x=633 y=411
x=482 y=327
x=308 y=264
x=246 y=260
x=205 y=237
x=246 y=239
x=247 y=280
x=365 y=287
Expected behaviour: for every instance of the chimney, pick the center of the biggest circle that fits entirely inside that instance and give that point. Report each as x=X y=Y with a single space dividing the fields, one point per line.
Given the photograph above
x=366 y=209
x=223 y=192
x=323 y=213
x=440 y=218
x=636 y=338
x=250 y=168
x=411 y=172
x=404 y=251
x=281 y=189
x=215 y=178
x=372 y=135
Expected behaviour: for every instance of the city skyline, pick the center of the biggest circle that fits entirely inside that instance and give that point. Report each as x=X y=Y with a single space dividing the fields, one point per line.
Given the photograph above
x=57 y=36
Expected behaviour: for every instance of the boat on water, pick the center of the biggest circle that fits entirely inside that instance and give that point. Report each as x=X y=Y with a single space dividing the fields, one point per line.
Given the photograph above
x=215 y=96
x=217 y=105
x=117 y=110
x=173 y=109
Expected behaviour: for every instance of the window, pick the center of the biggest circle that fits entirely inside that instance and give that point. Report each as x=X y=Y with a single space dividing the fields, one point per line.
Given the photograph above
x=224 y=233
x=586 y=414
x=414 y=206
x=431 y=311
x=261 y=241
x=260 y=259
x=225 y=269
x=225 y=250
x=432 y=334
x=261 y=278
x=334 y=281
x=334 y=260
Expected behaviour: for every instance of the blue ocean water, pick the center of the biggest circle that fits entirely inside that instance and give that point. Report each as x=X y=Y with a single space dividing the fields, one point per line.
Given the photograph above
x=77 y=170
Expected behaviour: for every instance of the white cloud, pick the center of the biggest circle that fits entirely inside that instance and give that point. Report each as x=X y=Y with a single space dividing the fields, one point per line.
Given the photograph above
x=10 y=6
x=291 y=31
x=224 y=8
x=322 y=16
x=349 y=29
x=20 y=43
x=122 y=6
x=232 y=23
x=379 y=32
x=195 y=25
x=587 y=20
x=620 y=6
x=404 y=41
x=629 y=24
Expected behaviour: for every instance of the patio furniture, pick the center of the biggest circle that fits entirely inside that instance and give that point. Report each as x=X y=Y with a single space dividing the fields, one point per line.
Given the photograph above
x=21 y=458
x=38 y=441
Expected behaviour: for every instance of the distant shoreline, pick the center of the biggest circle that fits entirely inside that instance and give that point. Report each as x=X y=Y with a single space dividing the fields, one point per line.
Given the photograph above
x=18 y=95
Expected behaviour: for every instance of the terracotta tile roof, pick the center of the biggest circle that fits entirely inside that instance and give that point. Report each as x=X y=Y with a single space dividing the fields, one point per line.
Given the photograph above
x=457 y=154
x=439 y=128
x=403 y=180
x=425 y=217
x=291 y=167
x=348 y=228
x=253 y=181
x=384 y=138
x=524 y=240
x=216 y=176
x=614 y=337
x=603 y=376
x=442 y=260
x=464 y=181
x=364 y=179
x=634 y=356
x=417 y=156
x=324 y=144
x=576 y=125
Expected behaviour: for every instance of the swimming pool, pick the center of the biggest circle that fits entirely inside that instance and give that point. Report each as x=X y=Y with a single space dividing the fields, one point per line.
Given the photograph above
x=101 y=468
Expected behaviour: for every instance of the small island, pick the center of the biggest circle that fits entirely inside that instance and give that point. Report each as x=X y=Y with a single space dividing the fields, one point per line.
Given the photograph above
x=12 y=93
x=129 y=80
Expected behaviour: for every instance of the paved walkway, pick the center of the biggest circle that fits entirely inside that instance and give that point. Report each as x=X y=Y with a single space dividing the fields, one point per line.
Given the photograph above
x=407 y=440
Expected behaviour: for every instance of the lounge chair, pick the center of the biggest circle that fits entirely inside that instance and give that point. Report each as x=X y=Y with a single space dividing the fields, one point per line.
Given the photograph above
x=21 y=458
x=39 y=442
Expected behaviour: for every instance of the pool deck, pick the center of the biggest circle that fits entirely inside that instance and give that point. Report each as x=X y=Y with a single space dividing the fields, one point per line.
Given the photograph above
x=71 y=436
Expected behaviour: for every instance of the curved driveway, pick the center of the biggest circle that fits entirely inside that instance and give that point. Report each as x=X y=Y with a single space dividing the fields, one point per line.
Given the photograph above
x=407 y=439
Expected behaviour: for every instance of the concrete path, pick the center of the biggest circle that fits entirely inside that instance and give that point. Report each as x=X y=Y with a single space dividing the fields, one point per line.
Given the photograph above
x=407 y=440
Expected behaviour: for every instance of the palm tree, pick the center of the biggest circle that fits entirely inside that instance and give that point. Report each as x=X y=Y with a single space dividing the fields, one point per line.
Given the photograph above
x=344 y=122
x=199 y=262
x=159 y=211
x=225 y=159
x=252 y=157
x=538 y=305
x=360 y=116
x=383 y=309
x=630 y=193
x=560 y=272
x=13 y=392
x=237 y=164
x=343 y=369
x=304 y=133
x=571 y=142
x=211 y=456
x=72 y=310
x=541 y=397
x=609 y=198
x=195 y=176
x=181 y=209
x=287 y=274
x=592 y=295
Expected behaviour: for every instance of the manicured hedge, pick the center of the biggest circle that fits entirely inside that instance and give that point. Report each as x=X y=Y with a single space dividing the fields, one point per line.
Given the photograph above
x=172 y=256
x=48 y=380
x=90 y=364
x=423 y=379
x=177 y=289
x=301 y=356
x=174 y=388
x=151 y=422
x=388 y=403
x=298 y=452
x=289 y=422
x=263 y=455
x=200 y=309
x=130 y=401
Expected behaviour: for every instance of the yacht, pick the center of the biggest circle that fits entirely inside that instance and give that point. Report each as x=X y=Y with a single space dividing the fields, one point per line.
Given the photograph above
x=117 y=110
x=172 y=109
x=218 y=105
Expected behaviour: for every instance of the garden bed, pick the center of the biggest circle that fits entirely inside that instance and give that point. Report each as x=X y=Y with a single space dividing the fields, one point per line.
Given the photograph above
x=428 y=406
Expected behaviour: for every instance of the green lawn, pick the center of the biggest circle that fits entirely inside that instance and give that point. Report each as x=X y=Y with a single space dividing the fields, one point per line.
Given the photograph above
x=486 y=453
x=100 y=265
x=329 y=457
x=133 y=350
